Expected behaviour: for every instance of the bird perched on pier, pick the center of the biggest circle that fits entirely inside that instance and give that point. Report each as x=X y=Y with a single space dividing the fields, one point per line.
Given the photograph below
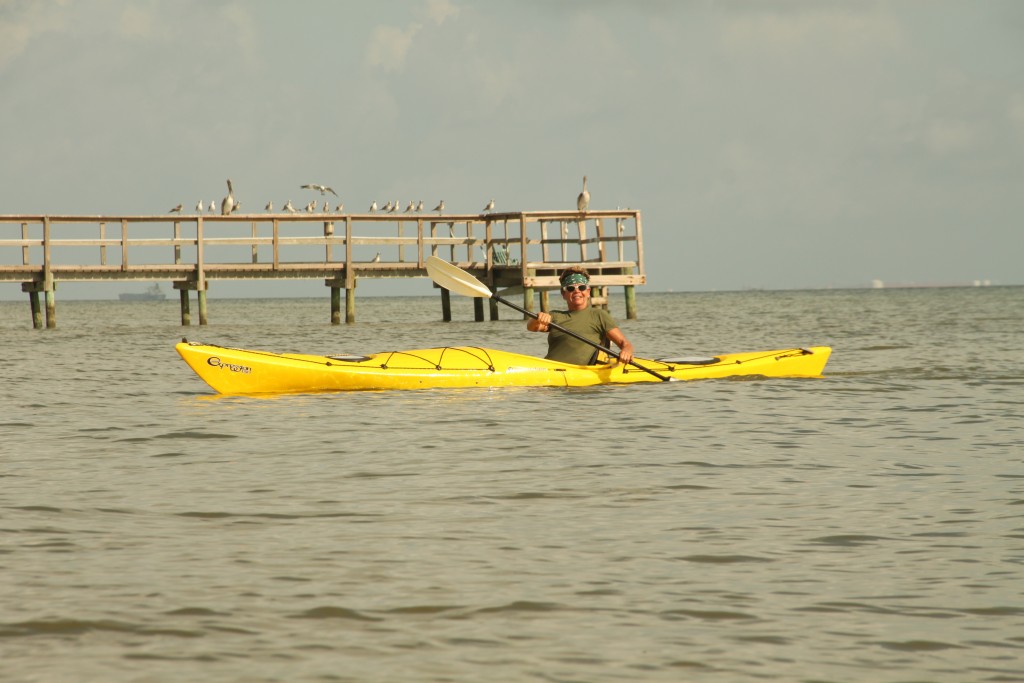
x=310 y=207
x=376 y=259
x=387 y=208
x=373 y=207
x=394 y=207
x=340 y=207
x=490 y=206
x=583 y=201
x=322 y=188
x=327 y=207
x=213 y=205
x=176 y=209
x=227 y=205
x=288 y=206
x=411 y=207
x=269 y=206
x=419 y=207
x=440 y=206
x=199 y=206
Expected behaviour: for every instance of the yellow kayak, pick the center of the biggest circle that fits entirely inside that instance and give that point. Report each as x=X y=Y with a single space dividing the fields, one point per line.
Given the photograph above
x=240 y=371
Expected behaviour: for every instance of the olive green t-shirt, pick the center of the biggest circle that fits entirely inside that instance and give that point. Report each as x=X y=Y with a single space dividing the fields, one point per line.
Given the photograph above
x=590 y=323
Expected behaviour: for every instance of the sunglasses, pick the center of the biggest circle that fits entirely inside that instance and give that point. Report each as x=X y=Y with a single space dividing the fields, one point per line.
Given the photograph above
x=575 y=288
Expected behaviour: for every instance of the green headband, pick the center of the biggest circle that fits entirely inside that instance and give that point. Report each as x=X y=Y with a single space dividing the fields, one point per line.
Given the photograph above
x=575 y=279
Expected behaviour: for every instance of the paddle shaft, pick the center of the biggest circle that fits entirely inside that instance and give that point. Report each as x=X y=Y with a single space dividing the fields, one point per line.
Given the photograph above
x=558 y=327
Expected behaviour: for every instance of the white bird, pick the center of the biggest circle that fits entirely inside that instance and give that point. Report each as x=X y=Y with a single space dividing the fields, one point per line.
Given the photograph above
x=394 y=207
x=387 y=207
x=176 y=209
x=322 y=188
x=583 y=201
x=373 y=207
x=419 y=206
x=490 y=206
x=213 y=205
x=411 y=207
x=269 y=206
x=288 y=206
x=199 y=206
x=310 y=207
x=327 y=207
x=237 y=206
x=340 y=207
x=376 y=259
x=440 y=206
x=227 y=205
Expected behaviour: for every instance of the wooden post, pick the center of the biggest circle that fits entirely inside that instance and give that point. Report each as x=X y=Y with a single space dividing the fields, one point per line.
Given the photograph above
x=24 y=249
x=527 y=300
x=201 y=271
x=350 y=303
x=51 y=309
x=201 y=295
x=446 y=305
x=478 y=309
x=37 y=313
x=186 y=314
x=103 y=247
x=255 y=247
x=124 y=244
x=630 y=292
x=544 y=304
x=335 y=303
x=494 y=309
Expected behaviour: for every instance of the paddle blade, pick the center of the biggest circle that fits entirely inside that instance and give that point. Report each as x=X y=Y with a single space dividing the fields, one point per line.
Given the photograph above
x=455 y=279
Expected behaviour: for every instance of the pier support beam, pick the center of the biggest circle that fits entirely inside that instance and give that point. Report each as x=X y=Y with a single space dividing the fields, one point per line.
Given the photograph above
x=335 y=304
x=478 y=309
x=201 y=295
x=186 y=314
x=630 y=292
x=544 y=303
x=51 y=309
x=33 y=289
x=350 y=303
x=527 y=300
x=446 y=305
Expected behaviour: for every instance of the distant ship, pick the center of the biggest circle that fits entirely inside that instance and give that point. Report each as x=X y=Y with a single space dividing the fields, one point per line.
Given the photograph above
x=154 y=293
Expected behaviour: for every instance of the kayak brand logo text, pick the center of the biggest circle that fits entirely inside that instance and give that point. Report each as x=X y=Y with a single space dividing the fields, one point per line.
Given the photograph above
x=217 y=363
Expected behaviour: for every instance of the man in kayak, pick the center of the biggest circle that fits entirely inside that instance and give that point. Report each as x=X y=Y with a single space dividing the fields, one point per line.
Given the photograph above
x=595 y=324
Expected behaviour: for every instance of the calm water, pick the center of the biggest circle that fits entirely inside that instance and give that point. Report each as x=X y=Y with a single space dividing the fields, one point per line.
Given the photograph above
x=868 y=526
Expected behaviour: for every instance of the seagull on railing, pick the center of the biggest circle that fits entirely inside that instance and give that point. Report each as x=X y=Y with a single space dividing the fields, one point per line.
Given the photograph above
x=387 y=208
x=269 y=206
x=176 y=209
x=373 y=207
x=583 y=201
x=376 y=259
x=288 y=206
x=419 y=207
x=394 y=207
x=411 y=207
x=440 y=206
x=490 y=206
x=311 y=207
x=227 y=205
x=340 y=207
x=327 y=207
x=199 y=206
x=213 y=205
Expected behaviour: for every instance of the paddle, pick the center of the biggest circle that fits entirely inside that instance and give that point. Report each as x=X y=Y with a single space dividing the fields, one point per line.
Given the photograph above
x=455 y=279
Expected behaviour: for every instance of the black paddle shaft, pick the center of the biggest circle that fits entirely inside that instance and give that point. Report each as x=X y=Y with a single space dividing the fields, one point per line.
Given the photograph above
x=558 y=327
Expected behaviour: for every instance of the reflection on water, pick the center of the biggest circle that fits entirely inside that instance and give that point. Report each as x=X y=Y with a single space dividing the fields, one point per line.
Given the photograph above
x=866 y=526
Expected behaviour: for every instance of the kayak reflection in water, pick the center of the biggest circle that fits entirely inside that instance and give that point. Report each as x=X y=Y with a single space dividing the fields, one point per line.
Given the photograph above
x=595 y=324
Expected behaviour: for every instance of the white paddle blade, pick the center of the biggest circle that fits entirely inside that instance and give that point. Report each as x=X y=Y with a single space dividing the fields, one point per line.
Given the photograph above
x=455 y=279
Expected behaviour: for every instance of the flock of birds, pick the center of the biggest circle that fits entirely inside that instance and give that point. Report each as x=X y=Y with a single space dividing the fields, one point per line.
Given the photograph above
x=230 y=204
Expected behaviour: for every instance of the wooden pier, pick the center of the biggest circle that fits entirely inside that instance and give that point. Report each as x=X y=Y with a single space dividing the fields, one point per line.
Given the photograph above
x=513 y=253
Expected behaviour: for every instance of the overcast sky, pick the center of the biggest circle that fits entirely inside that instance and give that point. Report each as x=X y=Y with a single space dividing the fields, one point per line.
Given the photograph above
x=770 y=144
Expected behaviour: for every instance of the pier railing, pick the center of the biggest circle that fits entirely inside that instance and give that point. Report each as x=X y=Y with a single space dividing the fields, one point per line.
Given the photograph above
x=514 y=251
